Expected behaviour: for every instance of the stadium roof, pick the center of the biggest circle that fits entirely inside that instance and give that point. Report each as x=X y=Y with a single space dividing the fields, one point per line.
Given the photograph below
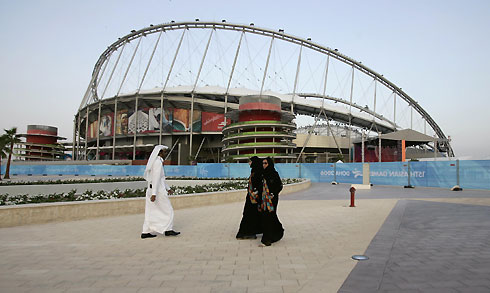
x=408 y=135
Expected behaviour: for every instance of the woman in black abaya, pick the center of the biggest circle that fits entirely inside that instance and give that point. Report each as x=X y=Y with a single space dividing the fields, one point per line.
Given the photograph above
x=272 y=185
x=250 y=224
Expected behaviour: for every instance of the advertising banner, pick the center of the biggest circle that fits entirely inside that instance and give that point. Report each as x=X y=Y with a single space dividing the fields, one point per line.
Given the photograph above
x=425 y=174
x=389 y=173
x=106 y=127
x=154 y=120
x=441 y=174
x=180 y=171
x=317 y=172
x=92 y=130
x=142 y=122
x=196 y=121
x=288 y=170
x=348 y=173
x=181 y=119
x=328 y=172
x=238 y=170
x=213 y=122
x=211 y=170
x=418 y=173
x=474 y=174
x=122 y=122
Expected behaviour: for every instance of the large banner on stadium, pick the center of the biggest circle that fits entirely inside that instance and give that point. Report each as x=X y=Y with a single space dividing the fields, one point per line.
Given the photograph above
x=181 y=118
x=122 y=122
x=213 y=122
x=139 y=124
x=149 y=119
x=106 y=127
x=155 y=118
x=92 y=130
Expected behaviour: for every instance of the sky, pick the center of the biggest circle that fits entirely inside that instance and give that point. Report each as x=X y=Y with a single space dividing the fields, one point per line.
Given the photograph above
x=437 y=51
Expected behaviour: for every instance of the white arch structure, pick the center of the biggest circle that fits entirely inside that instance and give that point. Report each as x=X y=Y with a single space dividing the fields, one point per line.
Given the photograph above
x=210 y=65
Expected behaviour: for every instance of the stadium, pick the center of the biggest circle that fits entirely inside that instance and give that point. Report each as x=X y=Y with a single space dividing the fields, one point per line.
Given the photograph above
x=179 y=84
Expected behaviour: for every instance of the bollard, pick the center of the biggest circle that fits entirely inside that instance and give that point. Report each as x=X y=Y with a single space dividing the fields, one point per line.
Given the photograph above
x=352 y=195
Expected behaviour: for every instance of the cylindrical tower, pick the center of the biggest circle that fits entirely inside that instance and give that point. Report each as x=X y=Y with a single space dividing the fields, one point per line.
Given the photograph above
x=41 y=144
x=259 y=128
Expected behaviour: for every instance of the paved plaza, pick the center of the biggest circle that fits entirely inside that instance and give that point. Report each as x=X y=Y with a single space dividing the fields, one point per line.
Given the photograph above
x=418 y=240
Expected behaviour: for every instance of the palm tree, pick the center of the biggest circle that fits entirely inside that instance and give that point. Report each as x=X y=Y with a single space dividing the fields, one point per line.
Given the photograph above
x=3 y=151
x=11 y=139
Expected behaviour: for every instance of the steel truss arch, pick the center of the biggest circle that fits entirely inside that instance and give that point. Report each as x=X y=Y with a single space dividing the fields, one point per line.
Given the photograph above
x=91 y=92
x=361 y=108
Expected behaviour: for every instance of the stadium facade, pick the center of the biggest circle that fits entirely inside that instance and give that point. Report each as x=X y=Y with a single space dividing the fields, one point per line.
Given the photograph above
x=177 y=83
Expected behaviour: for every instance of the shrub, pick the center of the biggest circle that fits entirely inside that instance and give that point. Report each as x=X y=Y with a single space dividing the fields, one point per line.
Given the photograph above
x=6 y=199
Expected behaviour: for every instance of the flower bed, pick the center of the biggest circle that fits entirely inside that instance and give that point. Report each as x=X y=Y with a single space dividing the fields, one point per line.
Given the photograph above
x=98 y=180
x=6 y=199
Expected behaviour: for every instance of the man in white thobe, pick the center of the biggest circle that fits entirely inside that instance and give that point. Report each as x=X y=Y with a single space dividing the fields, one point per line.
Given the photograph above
x=159 y=214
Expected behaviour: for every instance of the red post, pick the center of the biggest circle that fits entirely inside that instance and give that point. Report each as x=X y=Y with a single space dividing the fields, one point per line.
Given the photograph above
x=352 y=195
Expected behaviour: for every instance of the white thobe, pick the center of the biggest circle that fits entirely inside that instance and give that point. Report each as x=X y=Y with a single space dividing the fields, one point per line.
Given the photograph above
x=159 y=214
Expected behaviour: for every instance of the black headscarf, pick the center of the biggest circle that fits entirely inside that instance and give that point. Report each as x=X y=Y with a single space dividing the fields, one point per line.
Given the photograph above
x=256 y=165
x=272 y=177
x=256 y=173
x=270 y=167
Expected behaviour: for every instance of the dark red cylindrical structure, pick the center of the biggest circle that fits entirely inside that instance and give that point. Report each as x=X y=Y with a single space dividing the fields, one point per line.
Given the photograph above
x=263 y=108
x=41 y=143
x=256 y=108
x=41 y=134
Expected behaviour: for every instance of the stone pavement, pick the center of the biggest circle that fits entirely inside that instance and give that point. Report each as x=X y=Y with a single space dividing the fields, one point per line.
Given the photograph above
x=426 y=243
x=427 y=247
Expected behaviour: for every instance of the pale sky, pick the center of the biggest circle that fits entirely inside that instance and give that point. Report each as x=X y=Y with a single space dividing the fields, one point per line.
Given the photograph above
x=437 y=51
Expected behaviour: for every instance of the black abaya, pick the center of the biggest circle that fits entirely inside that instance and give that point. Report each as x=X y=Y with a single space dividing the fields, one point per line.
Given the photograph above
x=271 y=226
x=250 y=223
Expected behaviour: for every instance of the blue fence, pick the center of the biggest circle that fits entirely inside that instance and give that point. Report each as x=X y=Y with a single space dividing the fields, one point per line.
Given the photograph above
x=445 y=174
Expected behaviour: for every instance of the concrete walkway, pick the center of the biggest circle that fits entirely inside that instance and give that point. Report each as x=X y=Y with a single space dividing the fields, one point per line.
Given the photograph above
x=321 y=235
x=427 y=247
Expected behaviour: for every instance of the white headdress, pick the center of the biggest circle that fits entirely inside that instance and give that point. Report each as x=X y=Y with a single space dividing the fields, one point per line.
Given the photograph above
x=151 y=160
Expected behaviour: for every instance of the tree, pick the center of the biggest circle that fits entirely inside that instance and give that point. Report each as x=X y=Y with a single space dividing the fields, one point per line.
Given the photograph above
x=3 y=151
x=337 y=157
x=11 y=139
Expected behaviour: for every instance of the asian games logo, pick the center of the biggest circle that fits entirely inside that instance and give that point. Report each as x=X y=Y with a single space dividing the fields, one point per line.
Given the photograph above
x=357 y=173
